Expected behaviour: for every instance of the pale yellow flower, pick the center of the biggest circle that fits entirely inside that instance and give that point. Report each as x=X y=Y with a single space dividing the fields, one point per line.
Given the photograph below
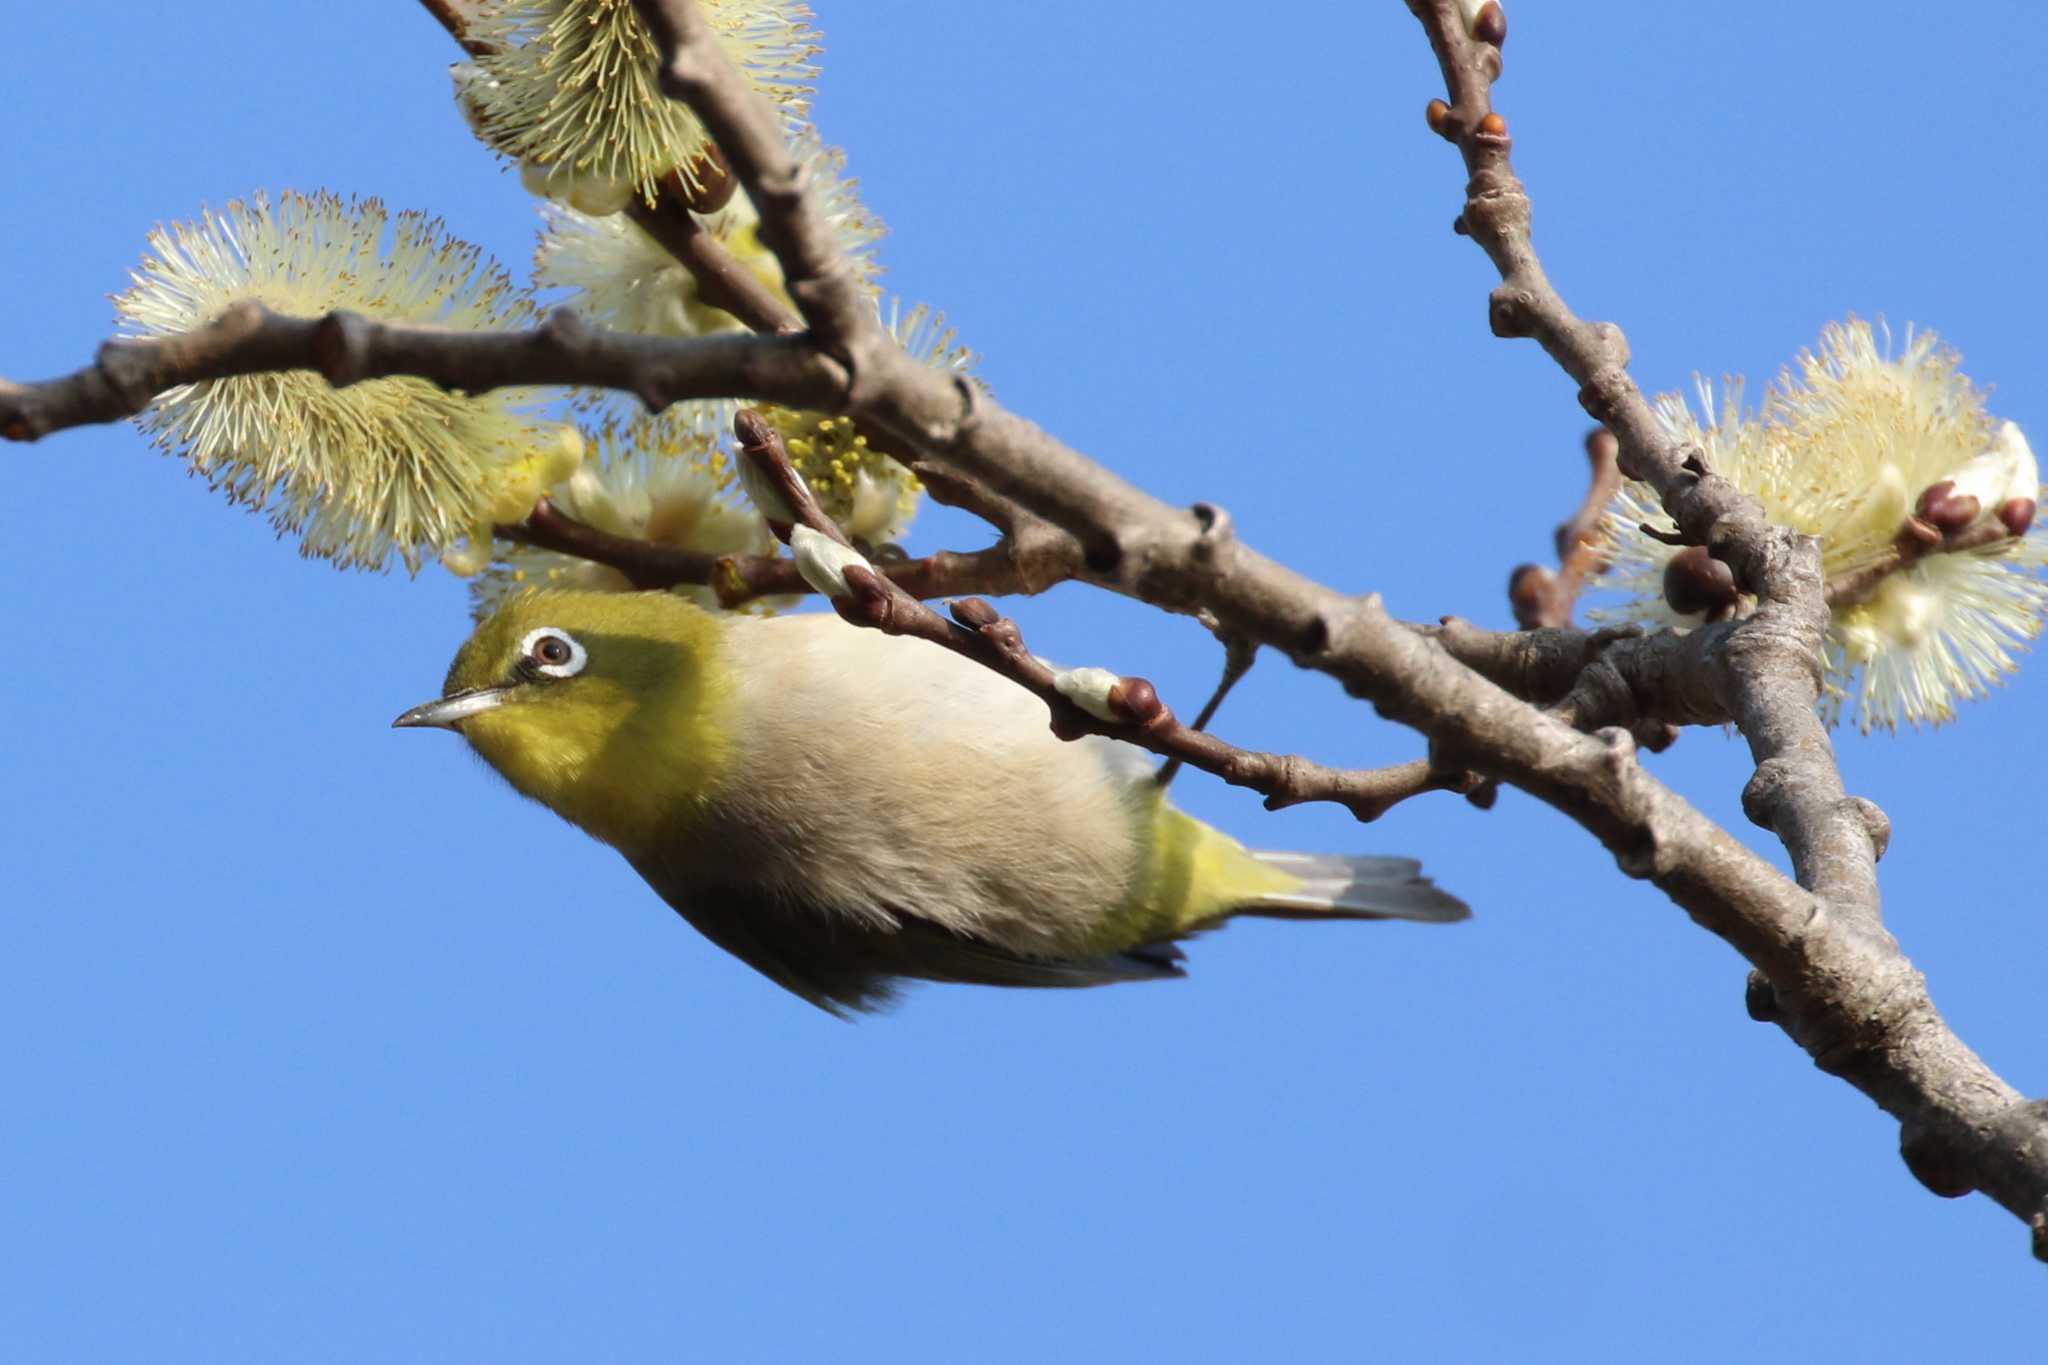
x=569 y=86
x=1849 y=439
x=870 y=495
x=1940 y=631
x=655 y=479
x=381 y=467
x=622 y=278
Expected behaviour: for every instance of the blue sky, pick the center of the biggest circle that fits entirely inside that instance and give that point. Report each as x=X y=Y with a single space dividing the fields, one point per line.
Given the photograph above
x=324 y=1046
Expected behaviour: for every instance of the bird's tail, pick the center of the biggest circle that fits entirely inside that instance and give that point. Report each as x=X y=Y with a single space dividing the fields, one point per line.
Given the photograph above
x=1331 y=885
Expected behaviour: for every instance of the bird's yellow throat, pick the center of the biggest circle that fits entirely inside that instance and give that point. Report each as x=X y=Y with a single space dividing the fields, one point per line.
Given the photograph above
x=629 y=747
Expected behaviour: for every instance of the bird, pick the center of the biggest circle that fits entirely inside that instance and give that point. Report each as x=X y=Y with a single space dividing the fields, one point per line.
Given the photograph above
x=846 y=811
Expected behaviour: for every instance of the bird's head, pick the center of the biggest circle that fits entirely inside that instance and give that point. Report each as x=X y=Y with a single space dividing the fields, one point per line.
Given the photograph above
x=605 y=707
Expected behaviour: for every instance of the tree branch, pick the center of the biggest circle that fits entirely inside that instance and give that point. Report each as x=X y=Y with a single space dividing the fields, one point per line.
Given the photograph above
x=1917 y=541
x=346 y=348
x=1541 y=598
x=1848 y=995
x=1081 y=701
x=722 y=281
x=1839 y=985
x=1843 y=989
x=1002 y=569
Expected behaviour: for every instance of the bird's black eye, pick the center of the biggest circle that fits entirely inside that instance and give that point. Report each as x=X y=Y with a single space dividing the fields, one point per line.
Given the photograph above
x=552 y=652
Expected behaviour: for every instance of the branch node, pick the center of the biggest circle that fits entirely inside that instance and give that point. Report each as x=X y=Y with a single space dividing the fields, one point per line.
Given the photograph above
x=1313 y=640
x=1216 y=531
x=1507 y=311
x=1935 y=1162
x=341 y=348
x=1765 y=789
x=1760 y=999
x=1875 y=823
x=124 y=362
x=566 y=328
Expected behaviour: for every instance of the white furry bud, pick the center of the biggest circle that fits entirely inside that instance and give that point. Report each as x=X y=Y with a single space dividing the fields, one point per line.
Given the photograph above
x=2006 y=470
x=823 y=561
x=584 y=191
x=1088 y=688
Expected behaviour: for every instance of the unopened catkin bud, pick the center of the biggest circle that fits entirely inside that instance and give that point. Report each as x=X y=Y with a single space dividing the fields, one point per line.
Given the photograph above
x=1697 y=584
x=1089 y=689
x=823 y=561
x=1946 y=510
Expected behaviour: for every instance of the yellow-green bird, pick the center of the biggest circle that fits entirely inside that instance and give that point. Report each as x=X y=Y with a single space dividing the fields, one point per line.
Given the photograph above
x=841 y=809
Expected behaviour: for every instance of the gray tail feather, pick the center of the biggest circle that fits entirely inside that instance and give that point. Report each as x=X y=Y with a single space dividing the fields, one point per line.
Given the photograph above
x=1355 y=888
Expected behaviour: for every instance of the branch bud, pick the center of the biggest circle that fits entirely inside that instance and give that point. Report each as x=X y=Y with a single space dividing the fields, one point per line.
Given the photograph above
x=1603 y=447
x=1491 y=27
x=2017 y=514
x=1438 y=115
x=1946 y=510
x=1529 y=588
x=2005 y=472
x=707 y=184
x=1484 y=20
x=1697 y=584
x=973 y=612
x=823 y=561
x=583 y=191
x=1091 y=689
x=1138 y=701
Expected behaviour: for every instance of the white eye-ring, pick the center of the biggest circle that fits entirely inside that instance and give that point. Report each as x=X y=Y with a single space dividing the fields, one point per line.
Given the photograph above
x=552 y=651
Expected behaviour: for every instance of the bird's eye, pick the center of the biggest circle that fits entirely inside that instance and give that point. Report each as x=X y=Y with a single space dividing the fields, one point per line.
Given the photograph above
x=553 y=652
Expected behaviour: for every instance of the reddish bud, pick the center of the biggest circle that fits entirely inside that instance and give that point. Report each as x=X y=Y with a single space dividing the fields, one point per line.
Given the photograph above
x=708 y=184
x=974 y=612
x=1917 y=534
x=1439 y=116
x=2017 y=514
x=1946 y=510
x=1697 y=584
x=1491 y=27
x=1137 y=699
x=1529 y=589
x=1493 y=125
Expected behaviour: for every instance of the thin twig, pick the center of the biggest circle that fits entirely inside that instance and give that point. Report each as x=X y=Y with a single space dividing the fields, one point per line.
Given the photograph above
x=1861 y=584
x=739 y=578
x=722 y=281
x=1541 y=598
x=455 y=16
x=1239 y=654
x=1129 y=707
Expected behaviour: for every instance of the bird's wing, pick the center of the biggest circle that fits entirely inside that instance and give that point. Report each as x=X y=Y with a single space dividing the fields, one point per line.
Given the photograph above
x=846 y=966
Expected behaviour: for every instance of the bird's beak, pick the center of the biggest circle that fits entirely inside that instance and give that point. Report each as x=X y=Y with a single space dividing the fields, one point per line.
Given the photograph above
x=449 y=712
